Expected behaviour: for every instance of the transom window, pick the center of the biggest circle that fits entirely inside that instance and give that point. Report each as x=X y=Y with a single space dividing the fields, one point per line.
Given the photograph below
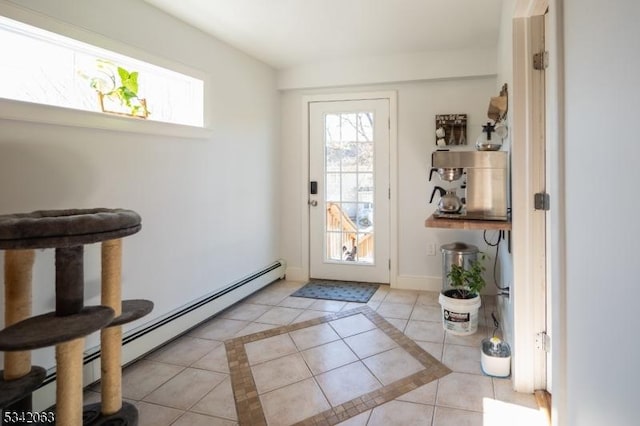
x=46 y=68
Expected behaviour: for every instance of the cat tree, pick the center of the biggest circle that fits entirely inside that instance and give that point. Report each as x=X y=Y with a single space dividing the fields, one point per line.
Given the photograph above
x=66 y=231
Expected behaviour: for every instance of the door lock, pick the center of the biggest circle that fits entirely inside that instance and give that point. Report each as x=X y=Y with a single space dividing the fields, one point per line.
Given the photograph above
x=313 y=203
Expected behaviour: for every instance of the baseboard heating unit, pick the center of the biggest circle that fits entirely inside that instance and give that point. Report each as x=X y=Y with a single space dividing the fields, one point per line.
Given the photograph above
x=142 y=340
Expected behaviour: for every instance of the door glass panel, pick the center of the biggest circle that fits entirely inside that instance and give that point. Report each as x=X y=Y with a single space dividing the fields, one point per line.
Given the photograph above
x=365 y=157
x=334 y=244
x=365 y=126
x=349 y=186
x=333 y=187
x=332 y=128
x=349 y=183
x=365 y=187
x=365 y=217
x=334 y=153
x=365 y=247
x=350 y=157
x=349 y=124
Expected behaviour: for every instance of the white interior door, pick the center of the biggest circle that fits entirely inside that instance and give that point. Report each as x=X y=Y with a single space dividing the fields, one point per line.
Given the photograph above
x=349 y=190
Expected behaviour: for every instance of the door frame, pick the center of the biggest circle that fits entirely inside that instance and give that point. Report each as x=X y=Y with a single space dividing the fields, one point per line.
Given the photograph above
x=391 y=96
x=529 y=372
x=529 y=224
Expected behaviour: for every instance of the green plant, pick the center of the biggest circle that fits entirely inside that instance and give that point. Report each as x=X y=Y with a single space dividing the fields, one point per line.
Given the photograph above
x=118 y=84
x=468 y=282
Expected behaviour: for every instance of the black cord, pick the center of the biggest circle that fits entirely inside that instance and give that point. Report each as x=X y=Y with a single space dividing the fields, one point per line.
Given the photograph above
x=497 y=243
x=495 y=258
x=496 y=324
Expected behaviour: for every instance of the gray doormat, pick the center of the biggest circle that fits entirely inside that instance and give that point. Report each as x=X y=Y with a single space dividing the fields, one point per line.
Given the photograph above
x=347 y=291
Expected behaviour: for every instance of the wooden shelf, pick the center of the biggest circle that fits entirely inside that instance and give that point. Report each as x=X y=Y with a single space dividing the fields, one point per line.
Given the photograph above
x=433 y=222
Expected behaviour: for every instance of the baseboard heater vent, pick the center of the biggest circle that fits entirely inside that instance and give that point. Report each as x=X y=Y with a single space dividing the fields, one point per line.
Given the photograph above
x=144 y=339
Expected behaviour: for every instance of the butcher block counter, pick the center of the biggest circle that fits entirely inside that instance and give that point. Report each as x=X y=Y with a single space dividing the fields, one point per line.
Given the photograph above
x=471 y=224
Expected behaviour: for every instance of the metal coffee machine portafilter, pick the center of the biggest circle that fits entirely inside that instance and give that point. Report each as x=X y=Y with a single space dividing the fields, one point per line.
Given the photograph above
x=486 y=181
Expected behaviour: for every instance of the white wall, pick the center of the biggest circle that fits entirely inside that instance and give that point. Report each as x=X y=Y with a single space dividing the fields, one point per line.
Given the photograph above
x=601 y=147
x=430 y=65
x=209 y=207
x=505 y=75
x=418 y=103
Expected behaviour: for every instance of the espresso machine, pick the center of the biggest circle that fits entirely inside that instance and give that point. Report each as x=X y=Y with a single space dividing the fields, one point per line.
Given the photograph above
x=485 y=189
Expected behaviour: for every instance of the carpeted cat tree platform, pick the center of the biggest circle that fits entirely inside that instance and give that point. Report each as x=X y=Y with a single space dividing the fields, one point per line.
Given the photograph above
x=66 y=231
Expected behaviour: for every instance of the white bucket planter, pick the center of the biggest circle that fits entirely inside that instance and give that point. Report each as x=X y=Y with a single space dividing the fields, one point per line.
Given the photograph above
x=460 y=316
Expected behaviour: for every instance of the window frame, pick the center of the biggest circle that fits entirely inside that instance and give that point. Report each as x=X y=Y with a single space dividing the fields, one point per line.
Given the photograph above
x=48 y=114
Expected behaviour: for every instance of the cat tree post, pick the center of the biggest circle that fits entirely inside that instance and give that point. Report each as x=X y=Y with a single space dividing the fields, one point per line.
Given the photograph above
x=18 y=266
x=69 y=301
x=112 y=411
x=19 y=378
x=111 y=337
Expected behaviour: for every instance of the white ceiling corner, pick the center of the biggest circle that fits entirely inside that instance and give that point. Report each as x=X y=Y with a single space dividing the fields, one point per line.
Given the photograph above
x=291 y=33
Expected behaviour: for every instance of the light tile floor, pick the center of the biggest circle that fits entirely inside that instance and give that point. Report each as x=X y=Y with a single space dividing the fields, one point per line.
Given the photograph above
x=187 y=382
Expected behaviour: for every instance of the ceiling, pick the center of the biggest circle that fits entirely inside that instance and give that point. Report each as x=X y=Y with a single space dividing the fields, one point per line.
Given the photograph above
x=289 y=33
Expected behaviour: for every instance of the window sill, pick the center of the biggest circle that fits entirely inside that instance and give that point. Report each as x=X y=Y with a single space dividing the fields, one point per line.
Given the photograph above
x=38 y=113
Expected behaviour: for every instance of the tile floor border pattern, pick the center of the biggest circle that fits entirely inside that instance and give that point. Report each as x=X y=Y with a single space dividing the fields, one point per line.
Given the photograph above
x=249 y=407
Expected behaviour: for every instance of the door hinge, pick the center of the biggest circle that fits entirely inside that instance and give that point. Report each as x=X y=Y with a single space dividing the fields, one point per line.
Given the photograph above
x=389 y=193
x=389 y=264
x=540 y=60
x=543 y=341
x=541 y=201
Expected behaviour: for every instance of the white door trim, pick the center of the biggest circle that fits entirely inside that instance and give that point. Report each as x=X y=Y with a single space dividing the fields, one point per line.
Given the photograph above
x=393 y=172
x=556 y=248
x=529 y=8
x=529 y=247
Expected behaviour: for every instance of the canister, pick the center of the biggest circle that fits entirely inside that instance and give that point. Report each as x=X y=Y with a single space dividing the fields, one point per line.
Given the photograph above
x=457 y=253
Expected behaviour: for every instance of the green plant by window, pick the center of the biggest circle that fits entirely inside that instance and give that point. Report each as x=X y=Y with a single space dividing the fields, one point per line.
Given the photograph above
x=468 y=282
x=120 y=85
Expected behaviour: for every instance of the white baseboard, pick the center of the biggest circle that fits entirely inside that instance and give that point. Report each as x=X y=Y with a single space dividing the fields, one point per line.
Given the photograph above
x=296 y=274
x=417 y=282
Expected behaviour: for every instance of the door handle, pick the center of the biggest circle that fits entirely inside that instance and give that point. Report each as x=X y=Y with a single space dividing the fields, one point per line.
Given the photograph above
x=313 y=203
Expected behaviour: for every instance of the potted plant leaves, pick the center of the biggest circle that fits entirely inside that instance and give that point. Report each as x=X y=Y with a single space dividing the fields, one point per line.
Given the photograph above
x=117 y=90
x=461 y=303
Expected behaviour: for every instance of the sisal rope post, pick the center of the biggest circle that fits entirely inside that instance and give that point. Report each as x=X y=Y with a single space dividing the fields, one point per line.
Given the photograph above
x=111 y=337
x=69 y=382
x=69 y=355
x=18 y=271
